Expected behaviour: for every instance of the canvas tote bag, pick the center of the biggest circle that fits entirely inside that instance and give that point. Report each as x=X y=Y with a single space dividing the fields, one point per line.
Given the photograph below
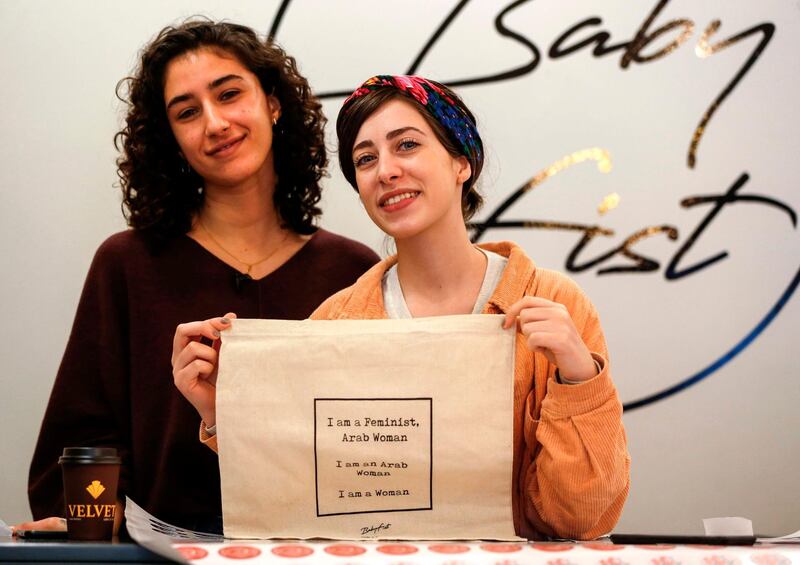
x=349 y=429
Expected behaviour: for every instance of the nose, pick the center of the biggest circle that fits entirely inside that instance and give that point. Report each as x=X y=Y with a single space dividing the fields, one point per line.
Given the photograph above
x=216 y=122
x=389 y=169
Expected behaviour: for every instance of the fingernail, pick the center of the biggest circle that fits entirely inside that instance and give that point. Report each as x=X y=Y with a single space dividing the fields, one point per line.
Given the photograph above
x=216 y=333
x=224 y=320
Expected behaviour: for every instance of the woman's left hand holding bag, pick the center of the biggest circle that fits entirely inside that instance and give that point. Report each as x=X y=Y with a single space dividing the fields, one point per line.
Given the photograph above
x=549 y=329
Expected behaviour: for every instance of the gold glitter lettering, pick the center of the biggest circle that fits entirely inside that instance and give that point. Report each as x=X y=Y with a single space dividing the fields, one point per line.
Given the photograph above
x=609 y=203
x=703 y=50
x=642 y=39
x=601 y=156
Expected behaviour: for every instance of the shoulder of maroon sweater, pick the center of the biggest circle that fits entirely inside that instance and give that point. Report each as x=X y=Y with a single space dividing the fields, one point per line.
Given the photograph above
x=121 y=242
x=121 y=247
x=112 y=258
x=326 y=242
x=132 y=251
x=132 y=243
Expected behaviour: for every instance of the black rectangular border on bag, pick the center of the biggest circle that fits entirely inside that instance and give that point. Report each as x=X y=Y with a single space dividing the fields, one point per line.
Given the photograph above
x=430 y=470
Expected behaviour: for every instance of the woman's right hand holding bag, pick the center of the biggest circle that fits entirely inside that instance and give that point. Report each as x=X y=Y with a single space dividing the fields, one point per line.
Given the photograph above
x=194 y=363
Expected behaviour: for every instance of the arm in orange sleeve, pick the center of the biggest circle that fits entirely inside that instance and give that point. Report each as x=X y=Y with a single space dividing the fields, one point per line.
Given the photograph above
x=209 y=440
x=579 y=478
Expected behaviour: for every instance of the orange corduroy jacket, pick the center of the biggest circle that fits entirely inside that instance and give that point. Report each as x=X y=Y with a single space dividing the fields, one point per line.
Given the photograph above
x=571 y=469
x=571 y=464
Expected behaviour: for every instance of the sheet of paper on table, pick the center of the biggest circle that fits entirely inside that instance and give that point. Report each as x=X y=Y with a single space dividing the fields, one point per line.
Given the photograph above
x=157 y=535
x=5 y=531
x=728 y=526
x=793 y=538
x=737 y=526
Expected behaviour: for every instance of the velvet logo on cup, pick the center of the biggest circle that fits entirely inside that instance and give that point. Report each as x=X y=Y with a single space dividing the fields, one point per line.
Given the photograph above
x=95 y=489
x=90 y=491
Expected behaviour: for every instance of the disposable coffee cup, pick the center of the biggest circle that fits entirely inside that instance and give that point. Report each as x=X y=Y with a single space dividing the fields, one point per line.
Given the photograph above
x=90 y=491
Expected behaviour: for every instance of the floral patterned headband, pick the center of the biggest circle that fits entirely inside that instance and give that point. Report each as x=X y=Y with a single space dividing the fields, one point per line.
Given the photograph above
x=444 y=108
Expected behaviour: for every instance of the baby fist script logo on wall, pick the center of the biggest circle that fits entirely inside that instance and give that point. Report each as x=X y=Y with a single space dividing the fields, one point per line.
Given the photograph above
x=645 y=150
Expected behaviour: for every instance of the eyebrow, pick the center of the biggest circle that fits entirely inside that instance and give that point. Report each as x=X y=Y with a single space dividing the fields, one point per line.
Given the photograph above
x=391 y=135
x=211 y=86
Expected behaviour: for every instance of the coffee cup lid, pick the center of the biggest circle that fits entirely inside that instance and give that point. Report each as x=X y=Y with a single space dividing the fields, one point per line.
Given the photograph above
x=93 y=455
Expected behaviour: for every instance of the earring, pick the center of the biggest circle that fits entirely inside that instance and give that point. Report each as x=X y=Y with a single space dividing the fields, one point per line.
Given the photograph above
x=274 y=121
x=186 y=168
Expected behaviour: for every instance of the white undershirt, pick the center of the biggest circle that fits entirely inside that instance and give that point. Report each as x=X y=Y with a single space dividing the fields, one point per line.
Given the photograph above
x=395 y=302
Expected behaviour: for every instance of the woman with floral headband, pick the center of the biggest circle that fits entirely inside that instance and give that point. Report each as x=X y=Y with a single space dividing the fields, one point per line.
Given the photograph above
x=411 y=148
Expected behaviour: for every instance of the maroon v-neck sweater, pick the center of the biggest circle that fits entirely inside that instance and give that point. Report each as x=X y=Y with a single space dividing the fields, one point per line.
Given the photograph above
x=114 y=387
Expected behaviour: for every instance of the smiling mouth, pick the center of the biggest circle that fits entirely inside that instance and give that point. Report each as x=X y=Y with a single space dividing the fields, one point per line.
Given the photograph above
x=399 y=198
x=226 y=146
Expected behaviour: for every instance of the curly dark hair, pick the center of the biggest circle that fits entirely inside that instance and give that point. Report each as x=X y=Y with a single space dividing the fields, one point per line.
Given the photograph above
x=160 y=193
x=353 y=115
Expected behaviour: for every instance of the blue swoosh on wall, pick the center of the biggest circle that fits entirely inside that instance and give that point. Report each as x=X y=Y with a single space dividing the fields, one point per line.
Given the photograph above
x=722 y=361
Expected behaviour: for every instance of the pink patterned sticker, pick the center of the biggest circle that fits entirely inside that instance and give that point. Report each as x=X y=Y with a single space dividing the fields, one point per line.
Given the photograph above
x=292 y=551
x=239 y=551
x=770 y=559
x=397 y=549
x=449 y=548
x=345 y=550
x=191 y=552
x=501 y=547
x=553 y=546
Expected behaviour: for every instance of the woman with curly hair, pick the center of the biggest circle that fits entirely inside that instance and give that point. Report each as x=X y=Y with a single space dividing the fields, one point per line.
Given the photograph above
x=222 y=153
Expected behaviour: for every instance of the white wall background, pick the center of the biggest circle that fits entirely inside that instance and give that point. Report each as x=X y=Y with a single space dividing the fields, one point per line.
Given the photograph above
x=727 y=446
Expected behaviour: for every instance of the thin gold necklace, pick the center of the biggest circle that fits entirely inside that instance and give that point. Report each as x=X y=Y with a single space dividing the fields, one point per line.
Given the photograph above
x=248 y=265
